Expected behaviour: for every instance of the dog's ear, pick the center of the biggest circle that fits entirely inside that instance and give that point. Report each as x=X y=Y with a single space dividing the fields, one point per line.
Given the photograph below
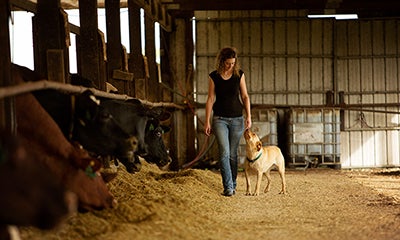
x=259 y=145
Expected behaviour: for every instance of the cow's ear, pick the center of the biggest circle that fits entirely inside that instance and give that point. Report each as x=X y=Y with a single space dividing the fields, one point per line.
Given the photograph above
x=164 y=116
x=165 y=128
x=155 y=112
x=259 y=145
x=159 y=113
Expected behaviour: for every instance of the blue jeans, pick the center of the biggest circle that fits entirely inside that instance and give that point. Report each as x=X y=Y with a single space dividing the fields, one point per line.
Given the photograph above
x=228 y=132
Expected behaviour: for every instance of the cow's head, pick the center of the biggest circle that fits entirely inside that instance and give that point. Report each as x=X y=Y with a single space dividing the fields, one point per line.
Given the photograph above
x=98 y=131
x=156 y=151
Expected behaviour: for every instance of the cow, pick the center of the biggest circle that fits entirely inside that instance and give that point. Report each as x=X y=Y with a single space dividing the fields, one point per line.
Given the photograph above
x=84 y=121
x=143 y=122
x=29 y=194
x=139 y=121
x=70 y=165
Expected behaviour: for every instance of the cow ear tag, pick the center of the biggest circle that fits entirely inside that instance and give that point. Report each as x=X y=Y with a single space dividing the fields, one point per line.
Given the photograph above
x=151 y=127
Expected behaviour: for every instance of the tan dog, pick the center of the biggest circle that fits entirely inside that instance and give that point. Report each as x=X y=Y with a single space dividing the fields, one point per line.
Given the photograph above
x=261 y=159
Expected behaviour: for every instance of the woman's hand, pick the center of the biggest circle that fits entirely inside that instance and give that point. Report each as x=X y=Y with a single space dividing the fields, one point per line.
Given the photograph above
x=248 y=123
x=207 y=129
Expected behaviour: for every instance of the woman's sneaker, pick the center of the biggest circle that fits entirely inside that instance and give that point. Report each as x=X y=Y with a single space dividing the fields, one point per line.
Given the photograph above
x=229 y=192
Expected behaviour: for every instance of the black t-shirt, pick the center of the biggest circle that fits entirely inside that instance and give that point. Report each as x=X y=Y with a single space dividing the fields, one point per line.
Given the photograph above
x=227 y=94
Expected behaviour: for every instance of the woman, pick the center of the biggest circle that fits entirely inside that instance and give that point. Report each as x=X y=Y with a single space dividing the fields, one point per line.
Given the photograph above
x=226 y=86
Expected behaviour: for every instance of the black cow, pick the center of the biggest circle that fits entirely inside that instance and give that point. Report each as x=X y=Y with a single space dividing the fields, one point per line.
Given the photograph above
x=82 y=119
x=143 y=122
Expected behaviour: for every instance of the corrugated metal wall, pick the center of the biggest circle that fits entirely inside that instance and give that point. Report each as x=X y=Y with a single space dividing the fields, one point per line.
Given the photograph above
x=290 y=60
x=368 y=74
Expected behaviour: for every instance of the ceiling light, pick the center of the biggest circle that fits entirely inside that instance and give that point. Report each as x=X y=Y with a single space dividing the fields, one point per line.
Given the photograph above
x=336 y=16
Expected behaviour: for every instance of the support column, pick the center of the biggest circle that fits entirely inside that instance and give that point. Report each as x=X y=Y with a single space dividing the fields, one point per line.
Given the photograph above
x=152 y=93
x=90 y=60
x=135 y=62
x=50 y=41
x=7 y=111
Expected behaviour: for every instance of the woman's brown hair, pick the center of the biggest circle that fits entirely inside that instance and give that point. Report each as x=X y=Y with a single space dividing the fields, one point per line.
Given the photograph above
x=223 y=55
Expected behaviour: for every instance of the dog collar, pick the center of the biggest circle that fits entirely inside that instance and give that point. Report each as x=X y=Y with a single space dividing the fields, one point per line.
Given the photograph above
x=255 y=159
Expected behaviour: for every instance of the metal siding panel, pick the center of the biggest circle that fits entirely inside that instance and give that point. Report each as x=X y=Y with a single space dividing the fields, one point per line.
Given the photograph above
x=268 y=80
x=280 y=36
x=341 y=38
x=393 y=148
x=342 y=75
x=378 y=45
x=268 y=37
x=353 y=38
x=391 y=37
x=316 y=74
x=391 y=74
x=355 y=143
x=366 y=38
x=293 y=79
x=368 y=149
x=345 y=156
x=379 y=74
x=292 y=37
x=280 y=80
x=201 y=38
x=237 y=32
x=354 y=75
x=304 y=79
x=316 y=37
x=226 y=30
x=381 y=158
x=304 y=37
x=328 y=37
x=245 y=36
x=202 y=78
x=256 y=81
x=213 y=39
x=327 y=75
x=367 y=80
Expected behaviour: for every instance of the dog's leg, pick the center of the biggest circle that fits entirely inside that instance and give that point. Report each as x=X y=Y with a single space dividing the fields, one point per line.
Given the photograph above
x=267 y=174
x=259 y=178
x=281 y=171
x=248 y=186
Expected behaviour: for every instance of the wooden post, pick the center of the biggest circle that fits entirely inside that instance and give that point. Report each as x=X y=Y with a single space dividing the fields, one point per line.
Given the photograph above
x=7 y=111
x=150 y=49
x=181 y=50
x=114 y=47
x=135 y=62
x=166 y=73
x=50 y=34
x=89 y=45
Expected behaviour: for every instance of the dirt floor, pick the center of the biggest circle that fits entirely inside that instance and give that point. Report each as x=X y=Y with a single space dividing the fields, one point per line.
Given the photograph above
x=321 y=204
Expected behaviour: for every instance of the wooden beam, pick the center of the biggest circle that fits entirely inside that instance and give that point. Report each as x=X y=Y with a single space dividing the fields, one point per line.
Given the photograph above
x=135 y=62
x=114 y=47
x=7 y=110
x=91 y=62
x=50 y=32
x=150 y=49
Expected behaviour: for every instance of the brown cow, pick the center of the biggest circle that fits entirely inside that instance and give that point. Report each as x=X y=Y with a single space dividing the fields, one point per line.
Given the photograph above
x=29 y=194
x=72 y=166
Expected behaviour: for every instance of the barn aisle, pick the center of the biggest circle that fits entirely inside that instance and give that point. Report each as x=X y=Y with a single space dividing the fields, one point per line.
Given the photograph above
x=320 y=204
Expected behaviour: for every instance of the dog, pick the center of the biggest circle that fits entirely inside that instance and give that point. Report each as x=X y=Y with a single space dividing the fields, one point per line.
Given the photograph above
x=261 y=159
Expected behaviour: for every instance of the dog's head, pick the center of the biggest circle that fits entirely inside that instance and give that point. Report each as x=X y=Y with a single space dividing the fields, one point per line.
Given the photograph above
x=253 y=142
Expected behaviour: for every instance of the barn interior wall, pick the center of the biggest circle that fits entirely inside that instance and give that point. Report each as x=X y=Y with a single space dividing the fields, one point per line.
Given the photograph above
x=290 y=60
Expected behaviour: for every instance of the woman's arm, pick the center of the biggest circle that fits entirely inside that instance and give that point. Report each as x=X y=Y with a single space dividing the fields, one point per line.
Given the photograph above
x=246 y=101
x=209 y=105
